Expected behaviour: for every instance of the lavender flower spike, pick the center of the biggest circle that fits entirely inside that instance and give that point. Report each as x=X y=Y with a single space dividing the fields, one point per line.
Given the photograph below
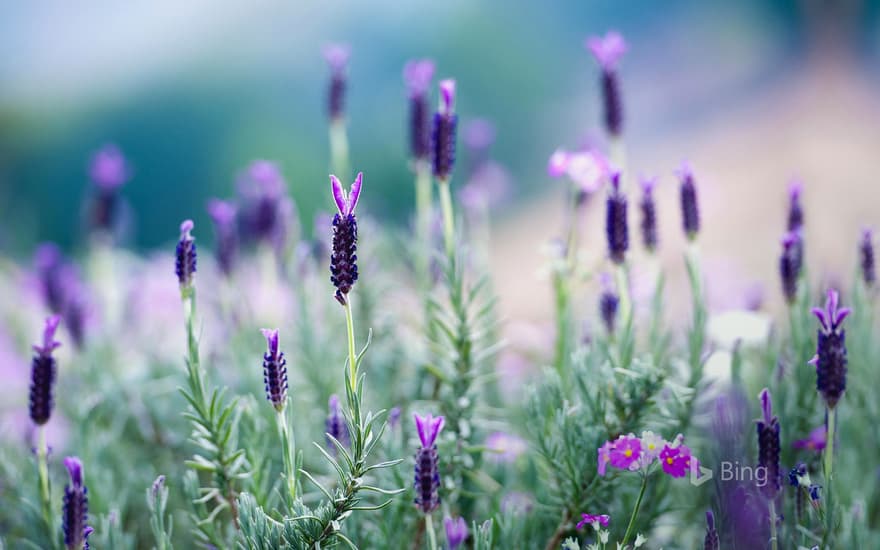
x=616 y=227
x=427 y=473
x=866 y=258
x=274 y=371
x=790 y=264
x=690 y=213
x=185 y=265
x=711 y=541
x=418 y=74
x=337 y=56
x=445 y=122
x=649 y=213
x=795 y=209
x=608 y=50
x=336 y=427
x=830 y=360
x=108 y=171
x=456 y=531
x=768 y=446
x=75 y=511
x=608 y=303
x=343 y=258
x=224 y=215
x=44 y=371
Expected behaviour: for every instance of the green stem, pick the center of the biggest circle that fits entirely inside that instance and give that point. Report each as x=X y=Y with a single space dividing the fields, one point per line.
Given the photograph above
x=626 y=309
x=774 y=543
x=448 y=217
x=423 y=220
x=635 y=513
x=562 y=322
x=432 y=536
x=43 y=467
x=288 y=447
x=352 y=355
x=829 y=448
x=339 y=148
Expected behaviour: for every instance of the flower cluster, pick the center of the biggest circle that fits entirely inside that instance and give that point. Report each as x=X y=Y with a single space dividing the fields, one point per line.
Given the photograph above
x=44 y=371
x=274 y=370
x=629 y=452
x=443 y=136
x=343 y=258
x=427 y=472
x=830 y=359
x=75 y=513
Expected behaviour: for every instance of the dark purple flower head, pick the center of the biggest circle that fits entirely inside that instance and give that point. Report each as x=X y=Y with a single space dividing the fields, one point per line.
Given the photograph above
x=336 y=426
x=769 y=446
x=337 y=58
x=261 y=190
x=185 y=264
x=607 y=49
x=274 y=370
x=649 y=213
x=866 y=258
x=44 y=371
x=790 y=265
x=223 y=215
x=443 y=136
x=418 y=75
x=343 y=256
x=711 y=541
x=690 y=214
x=75 y=513
x=456 y=531
x=830 y=360
x=616 y=226
x=795 y=209
x=108 y=169
x=427 y=472
x=594 y=520
x=608 y=303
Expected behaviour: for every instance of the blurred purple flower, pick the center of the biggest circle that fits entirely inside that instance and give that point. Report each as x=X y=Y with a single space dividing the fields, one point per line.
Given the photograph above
x=185 y=255
x=75 y=513
x=337 y=56
x=648 y=209
x=336 y=427
x=866 y=258
x=816 y=441
x=418 y=75
x=223 y=214
x=108 y=169
x=711 y=541
x=261 y=190
x=596 y=521
x=479 y=135
x=44 y=372
x=607 y=49
x=488 y=186
x=830 y=360
x=690 y=213
x=795 y=209
x=616 y=224
x=790 y=264
x=444 y=130
x=769 y=446
x=587 y=169
x=504 y=447
x=456 y=531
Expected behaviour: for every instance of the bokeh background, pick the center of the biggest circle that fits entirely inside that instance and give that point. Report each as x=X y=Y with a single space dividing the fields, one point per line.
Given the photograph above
x=751 y=92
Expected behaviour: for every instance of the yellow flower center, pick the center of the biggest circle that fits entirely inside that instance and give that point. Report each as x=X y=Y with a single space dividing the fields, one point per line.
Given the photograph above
x=669 y=460
x=628 y=453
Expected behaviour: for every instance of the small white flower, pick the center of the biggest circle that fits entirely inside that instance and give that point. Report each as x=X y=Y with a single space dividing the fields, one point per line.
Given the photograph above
x=603 y=536
x=640 y=540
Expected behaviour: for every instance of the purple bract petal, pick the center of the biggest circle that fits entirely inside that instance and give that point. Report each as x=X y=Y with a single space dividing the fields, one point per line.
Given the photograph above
x=447 y=96
x=222 y=212
x=271 y=336
x=607 y=50
x=337 y=56
x=558 y=163
x=109 y=168
x=766 y=405
x=648 y=183
x=428 y=427
x=418 y=74
x=49 y=343
x=75 y=468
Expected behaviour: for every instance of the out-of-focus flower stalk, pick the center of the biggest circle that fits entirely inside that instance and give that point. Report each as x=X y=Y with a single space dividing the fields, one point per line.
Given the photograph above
x=443 y=143
x=339 y=147
x=337 y=56
x=424 y=207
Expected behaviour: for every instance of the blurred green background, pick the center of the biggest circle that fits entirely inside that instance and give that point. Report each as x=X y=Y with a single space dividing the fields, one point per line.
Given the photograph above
x=193 y=91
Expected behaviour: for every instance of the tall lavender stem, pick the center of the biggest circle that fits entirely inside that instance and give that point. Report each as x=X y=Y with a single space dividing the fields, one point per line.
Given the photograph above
x=445 y=122
x=337 y=56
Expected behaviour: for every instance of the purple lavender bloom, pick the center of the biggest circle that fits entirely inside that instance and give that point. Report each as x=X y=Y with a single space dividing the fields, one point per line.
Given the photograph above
x=343 y=258
x=790 y=264
x=394 y=417
x=711 y=541
x=427 y=473
x=608 y=303
x=49 y=263
x=261 y=191
x=479 y=135
x=185 y=264
x=690 y=213
x=44 y=371
x=830 y=360
x=456 y=531
x=75 y=309
x=445 y=122
x=223 y=215
x=768 y=446
x=418 y=75
x=504 y=447
x=75 y=513
x=108 y=170
x=608 y=50
x=866 y=258
x=337 y=56
x=336 y=427
x=649 y=213
x=616 y=227
x=274 y=370
x=795 y=209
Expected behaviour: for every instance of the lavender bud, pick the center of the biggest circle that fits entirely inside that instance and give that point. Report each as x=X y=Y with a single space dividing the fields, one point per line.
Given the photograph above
x=607 y=50
x=108 y=171
x=768 y=446
x=337 y=58
x=608 y=304
x=343 y=257
x=274 y=371
x=224 y=214
x=49 y=263
x=711 y=541
x=790 y=263
x=866 y=257
x=616 y=228
x=690 y=213
x=336 y=427
x=185 y=264
x=830 y=359
x=649 y=214
x=427 y=472
x=795 y=210
x=75 y=513
x=394 y=417
x=44 y=371
x=456 y=531
x=261 y=191
x=418 y=75
x=445 y=122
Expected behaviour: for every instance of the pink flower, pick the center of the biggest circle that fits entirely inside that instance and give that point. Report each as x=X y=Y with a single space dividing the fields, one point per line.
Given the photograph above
x=815 y=442
x=626 y=451
x=607 y=49
x=676 y=461
x=604 y=456
x=595 y=521
x=558 y=163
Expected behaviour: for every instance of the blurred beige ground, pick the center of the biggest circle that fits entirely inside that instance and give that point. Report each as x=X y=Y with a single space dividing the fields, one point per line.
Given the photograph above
x=821 y=124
